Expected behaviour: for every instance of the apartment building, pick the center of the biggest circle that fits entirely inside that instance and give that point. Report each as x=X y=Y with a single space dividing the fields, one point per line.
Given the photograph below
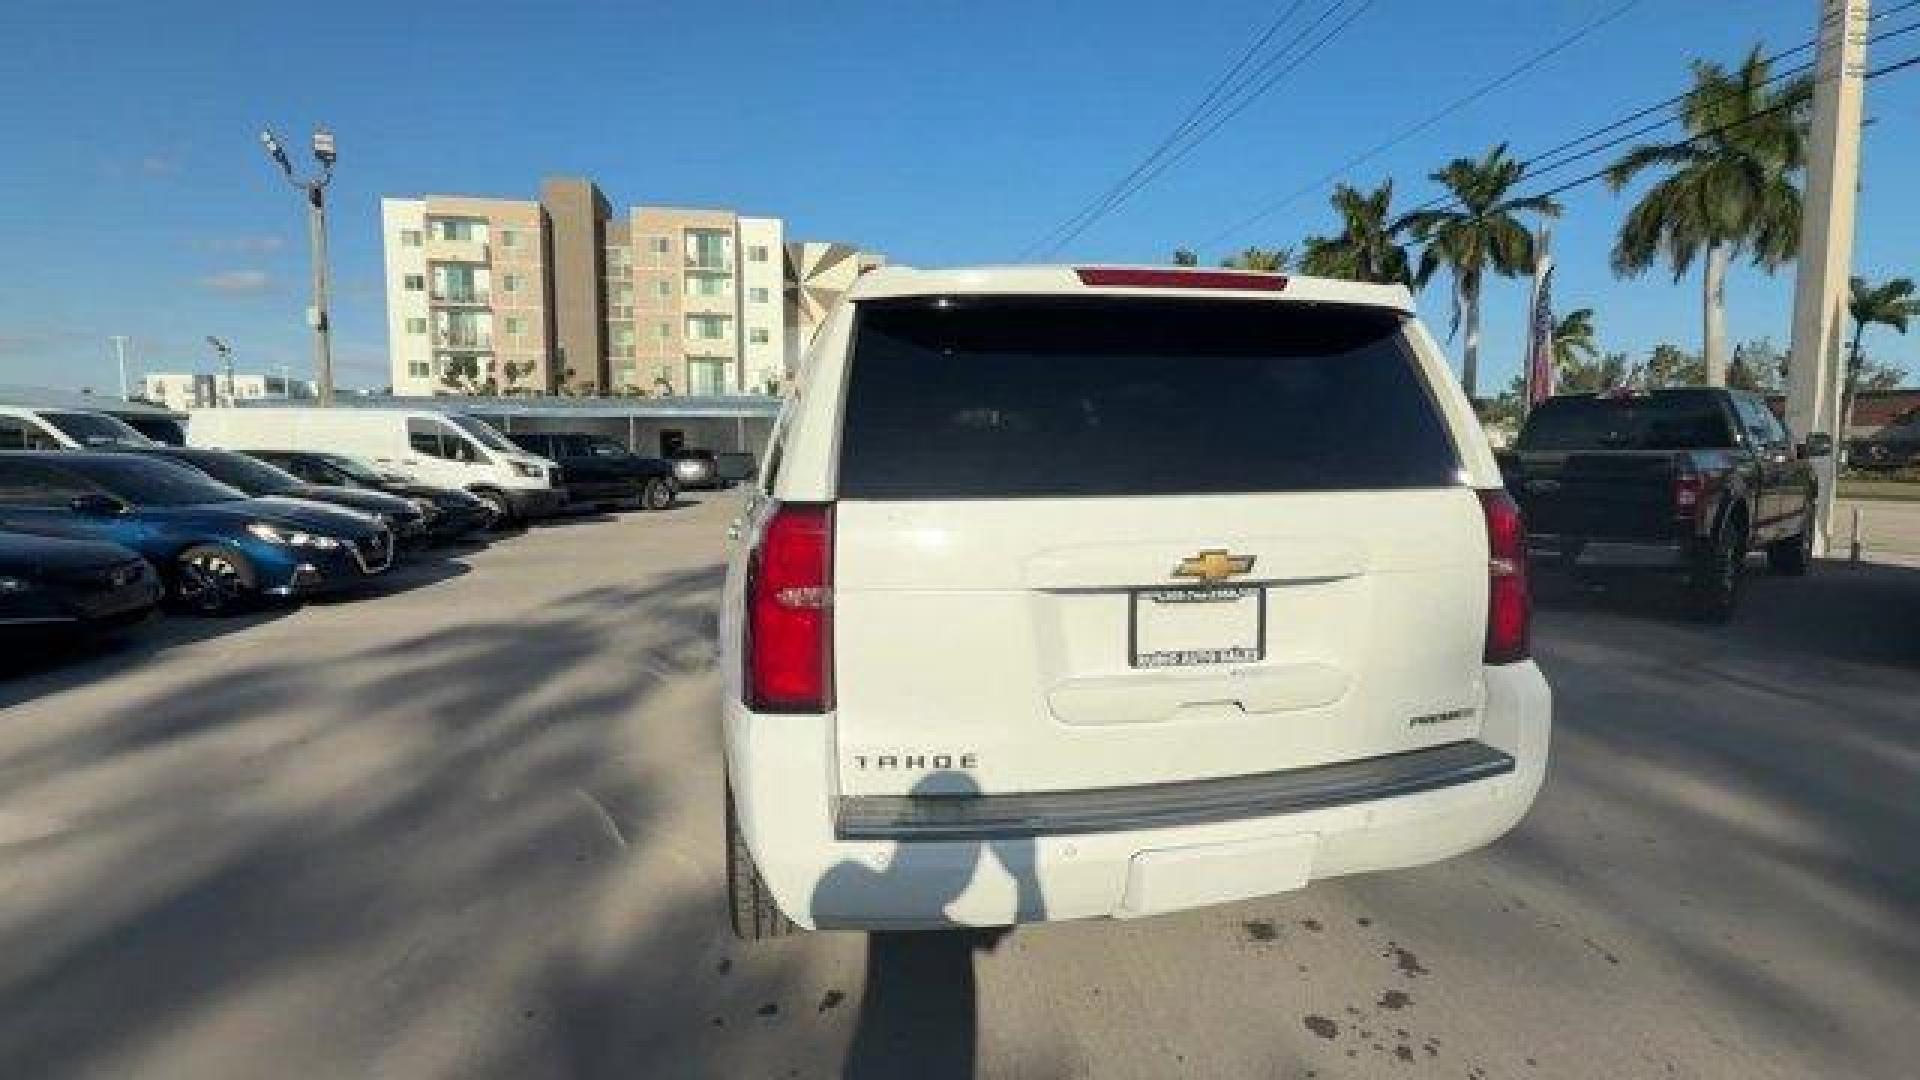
x=565 y=295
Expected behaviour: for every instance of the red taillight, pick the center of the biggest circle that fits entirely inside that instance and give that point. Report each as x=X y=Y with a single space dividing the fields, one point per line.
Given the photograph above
x=789 y=642
x=1114 y=277
x=1509 y=599
x=1687 y=490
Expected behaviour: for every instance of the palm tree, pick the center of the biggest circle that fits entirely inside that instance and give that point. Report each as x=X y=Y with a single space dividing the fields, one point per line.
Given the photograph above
x=1480 y=231
x=1730 y=188
x=1891 y=304
x=1366 y=249
x=1261 y=260
x=1573 y=340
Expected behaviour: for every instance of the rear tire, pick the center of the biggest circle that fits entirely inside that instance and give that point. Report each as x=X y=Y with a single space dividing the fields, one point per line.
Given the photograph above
x=1793 y=556
x=503 y=517
x=656 y=494
x=754 y=915
x=1714 y=587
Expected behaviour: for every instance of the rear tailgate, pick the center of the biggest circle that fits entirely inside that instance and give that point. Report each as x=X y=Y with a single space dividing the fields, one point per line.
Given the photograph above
x=1623 y=495
x=1034 y=492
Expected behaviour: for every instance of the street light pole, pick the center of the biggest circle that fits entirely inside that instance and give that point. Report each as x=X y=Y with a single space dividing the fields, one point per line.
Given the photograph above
x=120 y=351
x=314 y=191
x=225 y=352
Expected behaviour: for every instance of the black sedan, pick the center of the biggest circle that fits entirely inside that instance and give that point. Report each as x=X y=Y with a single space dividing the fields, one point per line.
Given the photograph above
x=454 y=513
x=408 y=520
x=52 y=587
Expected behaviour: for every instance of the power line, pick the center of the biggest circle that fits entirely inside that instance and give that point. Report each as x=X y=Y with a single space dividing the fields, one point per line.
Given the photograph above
x=1186 y=124
x=1531 y=169
x=1541 y=163
x=1220 y=119
x=1720 y=130
x=1531 y=62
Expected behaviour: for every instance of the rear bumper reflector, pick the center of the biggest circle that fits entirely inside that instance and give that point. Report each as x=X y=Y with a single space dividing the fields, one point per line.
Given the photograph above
x=1155 y=806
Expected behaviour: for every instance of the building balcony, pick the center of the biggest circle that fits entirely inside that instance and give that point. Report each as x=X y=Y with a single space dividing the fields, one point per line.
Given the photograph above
x=463 y=341
x=460 y=251
x=701 y=304
x=710 y=264
x=460 y=297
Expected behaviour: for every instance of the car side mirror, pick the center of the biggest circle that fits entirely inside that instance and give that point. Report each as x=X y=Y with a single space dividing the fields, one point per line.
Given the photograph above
x=1818 y=444
x=98 y=505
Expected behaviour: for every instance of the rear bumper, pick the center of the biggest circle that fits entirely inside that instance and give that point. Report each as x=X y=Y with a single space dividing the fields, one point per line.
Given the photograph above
x=1568 y=553
x=875 y=864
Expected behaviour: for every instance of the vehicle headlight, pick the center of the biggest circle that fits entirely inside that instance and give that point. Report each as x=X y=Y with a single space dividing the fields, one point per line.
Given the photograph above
x=528 y=469
x=275 y=534
x=11 y=585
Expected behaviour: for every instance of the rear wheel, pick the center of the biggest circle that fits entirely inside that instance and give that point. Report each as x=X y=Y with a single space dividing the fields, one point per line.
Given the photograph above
x=656 y=494
x=1793 y=556
x=498 y=506
x=754 y=915
x=212 y=580
x=1715 y=584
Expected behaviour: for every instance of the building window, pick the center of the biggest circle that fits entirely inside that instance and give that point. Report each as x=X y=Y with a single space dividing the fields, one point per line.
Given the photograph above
x=665 y=330
x=415 y=282
x=416 y=325
x=623 y=341
x=659 y=245
x=757 y=253
x=509 y=238
x=706 y=285
x=509 y=282
x=706 y=376
x=619 y=256
x=459 y=230
x=663 y=289
x=706 y=327
x=515 y=324
x=758 y=296
x=409 y=237
x=707 y=249
x=419 y=369
x=757 y=335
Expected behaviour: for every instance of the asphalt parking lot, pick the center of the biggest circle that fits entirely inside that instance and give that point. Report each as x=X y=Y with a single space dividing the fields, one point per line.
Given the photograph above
x=471 y=828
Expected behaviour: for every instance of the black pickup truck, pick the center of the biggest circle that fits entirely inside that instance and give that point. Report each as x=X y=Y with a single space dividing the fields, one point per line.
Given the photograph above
x=596 y=469
x=1683 y=481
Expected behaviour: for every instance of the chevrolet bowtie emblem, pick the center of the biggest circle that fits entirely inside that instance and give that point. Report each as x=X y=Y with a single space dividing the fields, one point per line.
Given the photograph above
x=1214 y=565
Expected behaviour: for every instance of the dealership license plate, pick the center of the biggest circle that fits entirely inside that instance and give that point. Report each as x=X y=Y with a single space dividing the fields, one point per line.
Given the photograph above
x=1189 y=627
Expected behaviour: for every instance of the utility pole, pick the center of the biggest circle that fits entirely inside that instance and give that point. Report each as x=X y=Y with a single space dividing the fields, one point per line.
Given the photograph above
x=1816 y=371
x=120 y=351
x=315 y=192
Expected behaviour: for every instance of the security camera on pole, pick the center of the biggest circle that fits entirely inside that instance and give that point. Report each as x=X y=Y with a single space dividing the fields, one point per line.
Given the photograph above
x=315 y=191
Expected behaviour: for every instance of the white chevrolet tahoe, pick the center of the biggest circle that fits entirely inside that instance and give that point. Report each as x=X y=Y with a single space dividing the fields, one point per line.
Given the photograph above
x=1103 y=591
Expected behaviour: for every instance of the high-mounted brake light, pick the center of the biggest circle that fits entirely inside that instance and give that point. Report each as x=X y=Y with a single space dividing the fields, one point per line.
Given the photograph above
x=1110 y=277
x=1509 y=597
x=789 y=645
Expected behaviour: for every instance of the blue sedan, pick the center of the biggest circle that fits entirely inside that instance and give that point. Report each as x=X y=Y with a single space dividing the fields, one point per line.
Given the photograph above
x=216 y=549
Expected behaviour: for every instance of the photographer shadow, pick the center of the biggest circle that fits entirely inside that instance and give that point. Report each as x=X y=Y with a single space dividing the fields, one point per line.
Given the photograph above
x=919 y=1010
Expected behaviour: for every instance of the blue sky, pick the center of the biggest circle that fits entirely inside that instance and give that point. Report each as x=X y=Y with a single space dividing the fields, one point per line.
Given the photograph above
x=134 y=198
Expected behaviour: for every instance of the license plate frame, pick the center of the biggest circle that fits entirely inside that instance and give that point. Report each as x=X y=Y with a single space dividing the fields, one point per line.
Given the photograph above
x=1214 y=656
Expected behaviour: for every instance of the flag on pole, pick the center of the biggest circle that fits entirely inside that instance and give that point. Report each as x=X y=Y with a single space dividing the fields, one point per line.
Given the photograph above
x=1540 y=326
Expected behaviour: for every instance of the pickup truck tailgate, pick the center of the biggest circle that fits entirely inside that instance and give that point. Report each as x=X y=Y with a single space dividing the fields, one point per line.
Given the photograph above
x=1610 y=495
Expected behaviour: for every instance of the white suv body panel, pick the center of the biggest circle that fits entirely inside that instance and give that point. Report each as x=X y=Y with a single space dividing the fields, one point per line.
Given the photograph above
x=981 y=628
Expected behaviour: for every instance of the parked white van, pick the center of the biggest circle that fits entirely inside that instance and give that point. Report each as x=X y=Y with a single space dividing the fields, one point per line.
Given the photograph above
x=1108 y=591
x=25 y=427
x=427 y=446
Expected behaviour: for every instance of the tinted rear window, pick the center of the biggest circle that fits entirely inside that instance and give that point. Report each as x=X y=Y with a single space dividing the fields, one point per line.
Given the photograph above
x=1029 y=397
x=1685 y=420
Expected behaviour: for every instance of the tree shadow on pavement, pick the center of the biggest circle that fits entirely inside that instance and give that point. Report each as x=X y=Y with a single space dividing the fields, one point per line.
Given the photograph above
x=367 y=868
